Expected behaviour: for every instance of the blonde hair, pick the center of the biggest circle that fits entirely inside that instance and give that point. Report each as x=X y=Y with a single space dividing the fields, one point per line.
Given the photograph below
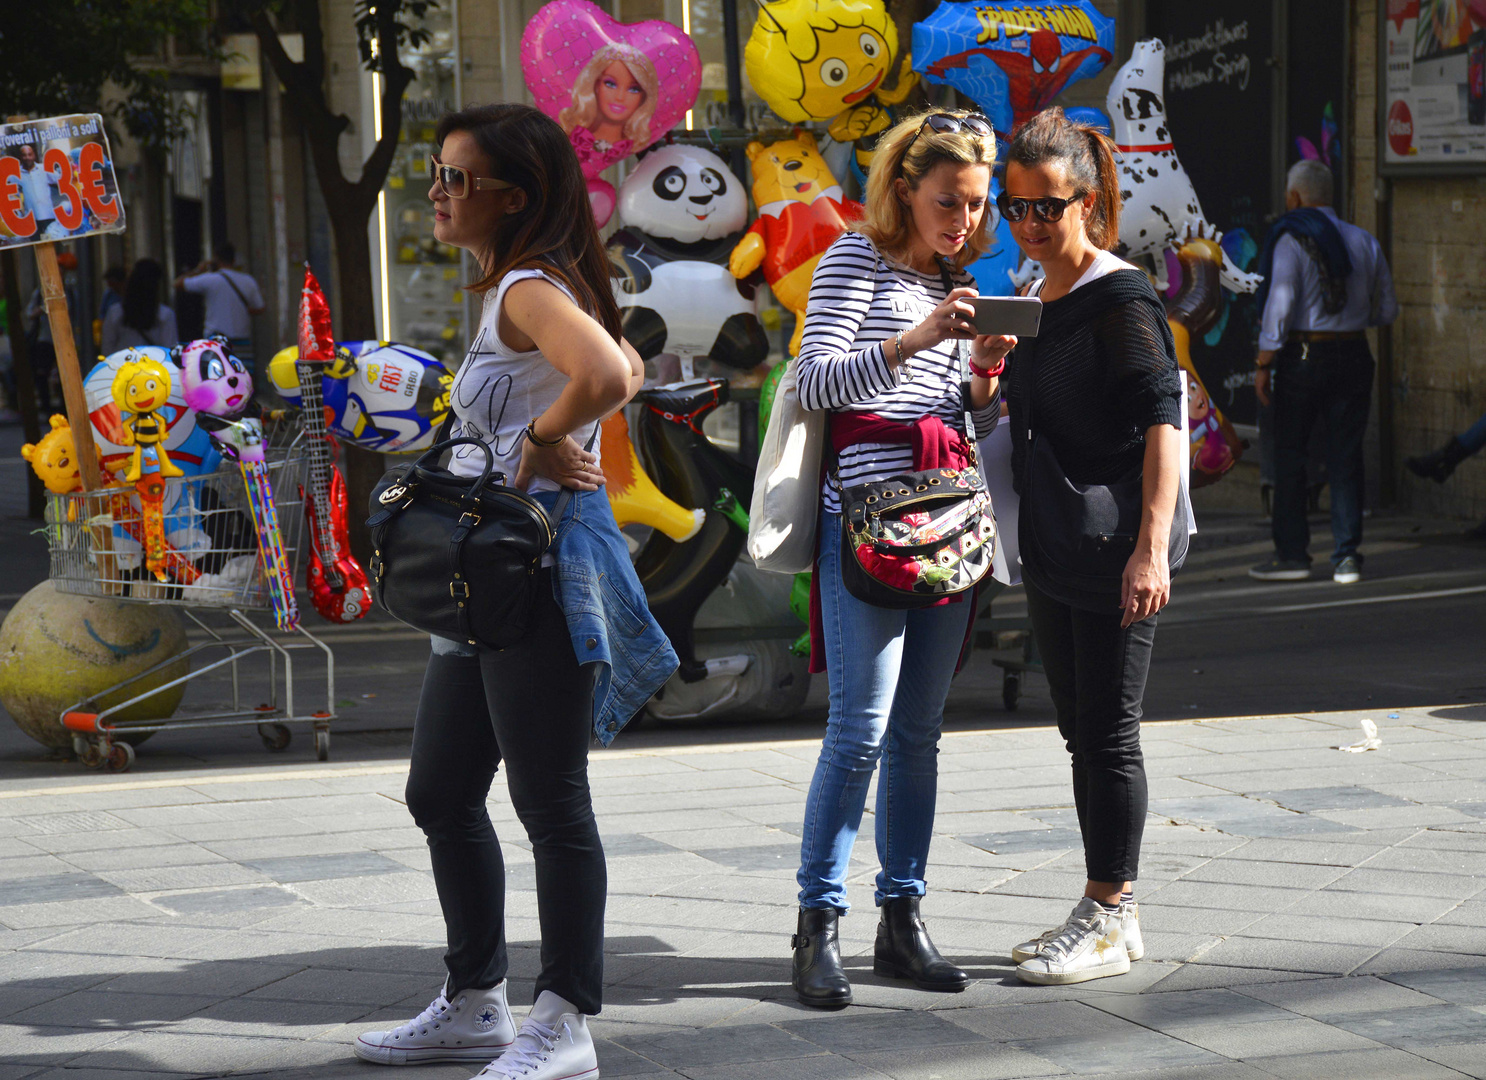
x=903 y=152
x=585 y=107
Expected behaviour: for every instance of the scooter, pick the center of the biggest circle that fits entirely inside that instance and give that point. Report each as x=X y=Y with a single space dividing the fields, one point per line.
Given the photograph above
x=705 y=572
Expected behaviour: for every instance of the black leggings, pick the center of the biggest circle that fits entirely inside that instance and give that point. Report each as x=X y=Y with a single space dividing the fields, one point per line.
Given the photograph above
x=531 y=705
x=1096 y=673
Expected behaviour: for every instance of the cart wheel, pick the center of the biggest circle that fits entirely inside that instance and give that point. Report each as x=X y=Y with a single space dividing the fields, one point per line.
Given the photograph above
x=120 y=757
x=322 y=745
x=1011 y=689
x=275 y=736
x=90 y=755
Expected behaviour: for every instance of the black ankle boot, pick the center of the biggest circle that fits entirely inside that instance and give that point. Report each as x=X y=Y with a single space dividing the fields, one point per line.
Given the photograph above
x=818 y=977
x=1439 y=464
x=904 y=950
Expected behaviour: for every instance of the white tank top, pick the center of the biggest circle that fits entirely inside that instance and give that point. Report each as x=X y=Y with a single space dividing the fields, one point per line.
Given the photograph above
x=498 y=390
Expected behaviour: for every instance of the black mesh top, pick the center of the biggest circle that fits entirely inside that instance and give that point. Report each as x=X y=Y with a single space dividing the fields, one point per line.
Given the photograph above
x=1105 y=370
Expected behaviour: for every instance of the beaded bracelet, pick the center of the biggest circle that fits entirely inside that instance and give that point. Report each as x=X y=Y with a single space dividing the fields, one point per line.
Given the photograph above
x=531 y=433
x=988 y=373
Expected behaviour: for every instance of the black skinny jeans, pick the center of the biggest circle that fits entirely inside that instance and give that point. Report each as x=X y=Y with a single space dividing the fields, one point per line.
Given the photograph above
x=532 y=706
x=1096 y=673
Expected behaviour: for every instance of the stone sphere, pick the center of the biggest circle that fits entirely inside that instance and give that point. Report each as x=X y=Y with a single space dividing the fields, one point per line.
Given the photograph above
x=57 y=649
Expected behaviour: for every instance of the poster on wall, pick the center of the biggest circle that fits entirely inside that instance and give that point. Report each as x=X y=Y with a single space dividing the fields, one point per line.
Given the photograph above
x=57 y=181
x=1433 y=108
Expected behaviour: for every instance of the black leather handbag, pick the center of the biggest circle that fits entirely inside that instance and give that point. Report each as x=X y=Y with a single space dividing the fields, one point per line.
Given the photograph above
x=1077 y=538
x=458 y=556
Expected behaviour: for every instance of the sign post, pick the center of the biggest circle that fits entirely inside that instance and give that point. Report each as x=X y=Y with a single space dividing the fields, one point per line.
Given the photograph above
x=57 y=183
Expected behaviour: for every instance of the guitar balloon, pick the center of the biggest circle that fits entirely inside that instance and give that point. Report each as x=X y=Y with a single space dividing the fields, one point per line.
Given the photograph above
x=336 y=581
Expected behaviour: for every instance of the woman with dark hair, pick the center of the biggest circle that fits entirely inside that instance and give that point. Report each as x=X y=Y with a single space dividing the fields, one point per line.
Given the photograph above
x=1099 y=384
x=546 y=366
x=141 y=319
x=888 y=348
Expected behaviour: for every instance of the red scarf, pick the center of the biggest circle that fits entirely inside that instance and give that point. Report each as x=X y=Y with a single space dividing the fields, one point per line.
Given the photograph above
x=935 y=444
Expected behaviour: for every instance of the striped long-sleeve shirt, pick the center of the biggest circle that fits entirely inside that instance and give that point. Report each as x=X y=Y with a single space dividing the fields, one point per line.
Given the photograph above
x=859 y=300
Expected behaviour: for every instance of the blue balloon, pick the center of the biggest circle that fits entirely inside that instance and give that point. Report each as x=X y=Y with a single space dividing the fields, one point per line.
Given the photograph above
x=1013 y=57
x=993 y=270
x=1088 y=114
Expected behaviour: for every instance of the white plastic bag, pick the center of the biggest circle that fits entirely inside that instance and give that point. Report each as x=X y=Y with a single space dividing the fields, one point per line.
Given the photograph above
x=786 y=487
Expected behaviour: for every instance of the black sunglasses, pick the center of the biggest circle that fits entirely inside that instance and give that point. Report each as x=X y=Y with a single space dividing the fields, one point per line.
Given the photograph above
x=1047 y=209
x=945 y=124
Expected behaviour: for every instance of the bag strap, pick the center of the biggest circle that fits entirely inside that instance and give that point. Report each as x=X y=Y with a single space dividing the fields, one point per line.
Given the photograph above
x=225 y=276
x=960 y=356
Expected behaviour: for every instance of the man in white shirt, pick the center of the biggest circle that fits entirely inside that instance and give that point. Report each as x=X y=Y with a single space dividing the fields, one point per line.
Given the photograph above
x=232 y=299
x=1327 y=284
x=36 y=185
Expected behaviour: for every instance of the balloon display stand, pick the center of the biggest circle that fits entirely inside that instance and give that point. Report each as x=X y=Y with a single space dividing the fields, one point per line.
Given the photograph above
x=211 y=567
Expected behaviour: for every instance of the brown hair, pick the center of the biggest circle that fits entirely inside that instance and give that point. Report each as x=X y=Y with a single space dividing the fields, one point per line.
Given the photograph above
x=555 y=232
x=1087 y=156
x=903 y=152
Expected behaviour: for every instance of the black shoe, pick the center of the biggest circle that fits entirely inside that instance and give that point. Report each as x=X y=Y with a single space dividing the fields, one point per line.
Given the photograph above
x=818 y=977
x=1439 y=464
x=904 y=950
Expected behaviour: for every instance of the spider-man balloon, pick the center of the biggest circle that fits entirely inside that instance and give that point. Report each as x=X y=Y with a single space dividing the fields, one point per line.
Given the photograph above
x=1012 y=57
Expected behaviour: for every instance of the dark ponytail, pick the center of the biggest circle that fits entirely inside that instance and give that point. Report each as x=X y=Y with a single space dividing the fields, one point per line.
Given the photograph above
x=1086 y=154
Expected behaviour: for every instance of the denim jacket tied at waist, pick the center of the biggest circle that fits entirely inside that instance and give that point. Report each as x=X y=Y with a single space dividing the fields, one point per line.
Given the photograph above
x=596 y=586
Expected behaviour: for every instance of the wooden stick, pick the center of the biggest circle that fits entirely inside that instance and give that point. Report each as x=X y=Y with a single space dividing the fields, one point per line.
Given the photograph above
x=55 y=298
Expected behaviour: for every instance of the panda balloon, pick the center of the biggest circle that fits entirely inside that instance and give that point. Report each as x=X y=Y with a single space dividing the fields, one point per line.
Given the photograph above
x=683 y=212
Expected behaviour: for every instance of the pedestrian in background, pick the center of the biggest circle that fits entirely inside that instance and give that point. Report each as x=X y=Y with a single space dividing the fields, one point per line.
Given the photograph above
x=1100 y=385
x=1440 y=464
x=232 y=299
x=885 y=327
x=1325 y=282
x=142 y=318
x=546 y=366
x=113 y=289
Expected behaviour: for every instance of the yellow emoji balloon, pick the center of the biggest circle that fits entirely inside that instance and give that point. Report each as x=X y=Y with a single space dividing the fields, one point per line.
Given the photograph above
x=818 y=59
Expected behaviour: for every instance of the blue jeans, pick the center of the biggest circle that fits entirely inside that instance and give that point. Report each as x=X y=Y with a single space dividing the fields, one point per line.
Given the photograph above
x=889 y=674
x=1332 y=386
x=1475 y=437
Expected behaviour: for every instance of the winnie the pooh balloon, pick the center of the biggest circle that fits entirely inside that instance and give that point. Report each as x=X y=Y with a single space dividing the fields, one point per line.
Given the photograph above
x=801 y=211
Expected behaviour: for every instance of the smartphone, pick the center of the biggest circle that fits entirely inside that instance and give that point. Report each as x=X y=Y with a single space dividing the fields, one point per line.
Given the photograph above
x=1475 y=80
x=1019 y=315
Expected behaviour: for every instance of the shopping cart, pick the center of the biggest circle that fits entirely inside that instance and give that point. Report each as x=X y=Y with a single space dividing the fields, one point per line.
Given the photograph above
x=215 y=577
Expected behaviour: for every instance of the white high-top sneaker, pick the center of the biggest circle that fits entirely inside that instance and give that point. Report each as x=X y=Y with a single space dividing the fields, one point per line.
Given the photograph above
x=1129 y=922
x=553 y=1044
x=475 y=1026
x=1092 y=946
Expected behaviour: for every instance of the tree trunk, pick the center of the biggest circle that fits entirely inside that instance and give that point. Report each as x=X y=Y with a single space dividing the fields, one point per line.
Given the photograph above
x=353 y=264
x=25 y=383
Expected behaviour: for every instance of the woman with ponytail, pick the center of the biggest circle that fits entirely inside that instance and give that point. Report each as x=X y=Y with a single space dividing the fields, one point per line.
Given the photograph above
x=1099 y=387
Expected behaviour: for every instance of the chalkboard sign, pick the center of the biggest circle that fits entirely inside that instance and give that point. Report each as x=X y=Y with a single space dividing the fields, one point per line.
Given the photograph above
x=1219 y=105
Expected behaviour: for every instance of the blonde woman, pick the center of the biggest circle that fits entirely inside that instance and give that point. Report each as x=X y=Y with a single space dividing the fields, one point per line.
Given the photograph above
x=614 y=99
x=888 y=334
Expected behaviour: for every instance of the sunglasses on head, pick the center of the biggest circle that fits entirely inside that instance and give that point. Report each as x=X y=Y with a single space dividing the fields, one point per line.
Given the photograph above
x=457 y=183
x=1048 y=210
x=946 y=124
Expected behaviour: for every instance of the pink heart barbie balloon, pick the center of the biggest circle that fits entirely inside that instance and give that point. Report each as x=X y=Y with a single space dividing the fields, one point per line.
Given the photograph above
x=614 y=87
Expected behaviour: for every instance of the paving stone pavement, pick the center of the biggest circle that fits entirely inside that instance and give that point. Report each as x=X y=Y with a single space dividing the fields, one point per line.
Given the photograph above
x=1307 y=913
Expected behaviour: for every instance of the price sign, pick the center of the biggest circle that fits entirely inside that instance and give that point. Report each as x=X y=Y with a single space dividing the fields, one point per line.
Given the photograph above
x=57 y=181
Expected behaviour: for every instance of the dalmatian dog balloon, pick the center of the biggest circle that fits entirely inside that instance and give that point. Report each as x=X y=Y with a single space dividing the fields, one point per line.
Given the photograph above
x=1161 y=208
x=683 y=212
